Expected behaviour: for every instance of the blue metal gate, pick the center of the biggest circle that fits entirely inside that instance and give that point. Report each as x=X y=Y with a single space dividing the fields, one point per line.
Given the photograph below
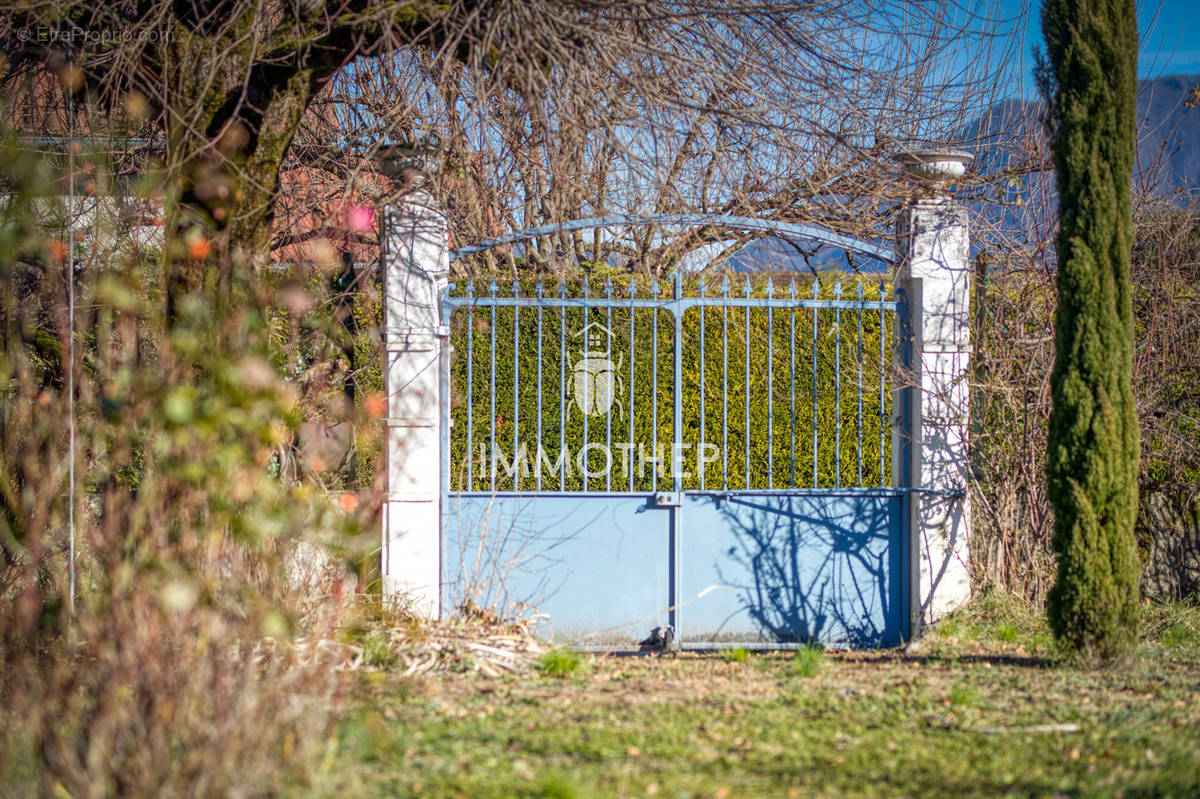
x=712 y=458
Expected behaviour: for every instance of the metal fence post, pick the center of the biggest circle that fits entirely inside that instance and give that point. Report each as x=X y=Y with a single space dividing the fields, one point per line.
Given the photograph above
x=933 y=275
x=415 y=261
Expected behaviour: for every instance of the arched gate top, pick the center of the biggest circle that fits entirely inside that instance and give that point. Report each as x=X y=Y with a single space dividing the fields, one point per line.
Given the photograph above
x=786 y=230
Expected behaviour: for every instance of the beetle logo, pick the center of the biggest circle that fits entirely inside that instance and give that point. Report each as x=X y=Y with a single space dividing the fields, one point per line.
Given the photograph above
x=597 y=384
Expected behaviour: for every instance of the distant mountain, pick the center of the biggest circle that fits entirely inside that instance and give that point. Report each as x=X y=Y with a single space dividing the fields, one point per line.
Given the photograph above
x=1168 y=133
x=1168 y=156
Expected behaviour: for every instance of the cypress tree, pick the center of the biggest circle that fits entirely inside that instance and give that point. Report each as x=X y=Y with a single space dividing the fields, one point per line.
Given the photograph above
x=1092 y=463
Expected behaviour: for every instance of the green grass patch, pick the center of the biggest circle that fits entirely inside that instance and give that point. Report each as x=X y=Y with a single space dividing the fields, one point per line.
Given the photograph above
x=1173 y=626
x=963 y=695
x=993 y=620
x=559 y=662
x=736 y=655
x=966 y=717
x=808 y=660
x=1006 y=632
x=558 y=788
x=949 y=628
x=1180 y=636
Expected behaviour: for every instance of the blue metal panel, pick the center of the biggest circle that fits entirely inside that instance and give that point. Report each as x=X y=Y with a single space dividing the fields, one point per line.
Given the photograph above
x=597 y=566
x=775 y=567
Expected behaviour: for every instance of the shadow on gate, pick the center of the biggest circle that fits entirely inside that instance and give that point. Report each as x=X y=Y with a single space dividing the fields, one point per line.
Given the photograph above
x=795 y=569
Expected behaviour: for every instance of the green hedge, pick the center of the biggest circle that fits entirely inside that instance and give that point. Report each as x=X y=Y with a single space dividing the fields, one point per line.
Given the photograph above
x=775 y=443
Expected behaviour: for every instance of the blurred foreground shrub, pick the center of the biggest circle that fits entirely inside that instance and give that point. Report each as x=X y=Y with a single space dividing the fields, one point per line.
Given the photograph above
x=176 y=665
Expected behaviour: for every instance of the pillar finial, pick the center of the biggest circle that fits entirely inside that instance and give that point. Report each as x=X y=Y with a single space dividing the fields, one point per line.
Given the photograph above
x=935 y=167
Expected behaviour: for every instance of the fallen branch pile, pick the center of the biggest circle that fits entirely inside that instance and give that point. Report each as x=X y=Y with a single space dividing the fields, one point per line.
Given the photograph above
x=472 y=642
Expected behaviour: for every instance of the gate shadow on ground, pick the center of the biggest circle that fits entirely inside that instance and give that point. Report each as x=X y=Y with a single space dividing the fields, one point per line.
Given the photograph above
x=806 y=568
x=1016 y=661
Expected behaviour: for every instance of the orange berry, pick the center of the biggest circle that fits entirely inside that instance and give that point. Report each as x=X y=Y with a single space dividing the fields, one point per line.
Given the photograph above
x=376 y=405
x=199 y=248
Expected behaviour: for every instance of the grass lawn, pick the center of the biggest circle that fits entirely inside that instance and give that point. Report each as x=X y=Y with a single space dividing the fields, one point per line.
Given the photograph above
x=981 y=706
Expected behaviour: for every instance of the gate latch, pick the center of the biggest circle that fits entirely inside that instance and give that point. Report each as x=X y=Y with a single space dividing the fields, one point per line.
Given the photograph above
x=667 y=499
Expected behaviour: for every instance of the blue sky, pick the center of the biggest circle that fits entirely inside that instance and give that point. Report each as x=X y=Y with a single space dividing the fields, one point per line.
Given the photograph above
x=1170 y=41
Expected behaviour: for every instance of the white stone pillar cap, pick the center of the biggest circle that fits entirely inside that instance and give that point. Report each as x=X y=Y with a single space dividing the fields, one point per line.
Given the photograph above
x=935 y=167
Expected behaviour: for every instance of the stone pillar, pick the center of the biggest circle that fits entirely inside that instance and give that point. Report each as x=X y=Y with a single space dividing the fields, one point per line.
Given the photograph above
x=415 y=262
x=933 y=274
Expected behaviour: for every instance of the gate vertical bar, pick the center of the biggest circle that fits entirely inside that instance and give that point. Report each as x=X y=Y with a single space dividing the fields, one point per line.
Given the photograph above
x=613 y=388
x=416 y=372
x=792 y=374
x=470 y=386
x=816 y=291
x=516 y=420
x=676 y=456
x=654 y=292
x=883 y=370
x=837 y=387
x=585 y=411
x=770 y=386
x=492 y=390
x=725 y=384
x=632 y=393
x=746 y=393
x=537 y=461
x=677 y=393
x=859 y=296
x=562 y=387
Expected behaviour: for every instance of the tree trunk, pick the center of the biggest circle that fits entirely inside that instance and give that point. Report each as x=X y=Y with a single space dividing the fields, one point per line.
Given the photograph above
x=1093 y=437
